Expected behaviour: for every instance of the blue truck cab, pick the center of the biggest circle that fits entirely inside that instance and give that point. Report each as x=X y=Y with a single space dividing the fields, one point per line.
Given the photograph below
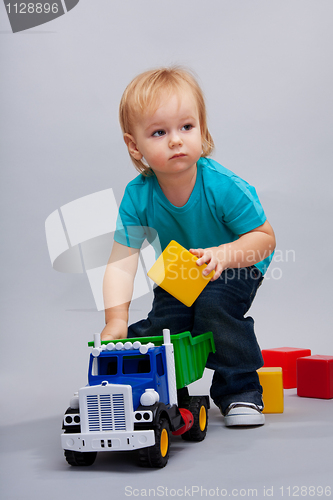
x=131 y=367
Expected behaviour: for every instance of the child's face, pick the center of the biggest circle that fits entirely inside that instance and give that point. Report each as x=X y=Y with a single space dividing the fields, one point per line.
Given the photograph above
x=170 y=138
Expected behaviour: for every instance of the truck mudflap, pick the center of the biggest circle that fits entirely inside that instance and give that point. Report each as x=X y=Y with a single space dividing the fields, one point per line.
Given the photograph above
x=108 y=441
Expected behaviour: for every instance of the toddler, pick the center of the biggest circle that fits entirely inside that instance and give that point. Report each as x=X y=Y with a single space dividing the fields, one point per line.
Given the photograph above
x=181 y=194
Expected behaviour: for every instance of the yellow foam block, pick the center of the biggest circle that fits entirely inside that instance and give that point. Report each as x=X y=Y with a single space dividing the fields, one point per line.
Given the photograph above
x=176 y=272
x=271 y=381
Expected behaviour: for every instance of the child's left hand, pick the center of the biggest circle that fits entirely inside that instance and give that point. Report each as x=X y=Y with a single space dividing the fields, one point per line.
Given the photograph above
x=214 y=258
x=248 y=249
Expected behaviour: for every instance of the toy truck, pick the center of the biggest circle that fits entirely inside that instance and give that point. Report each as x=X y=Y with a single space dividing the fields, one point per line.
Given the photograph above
x=136 y=396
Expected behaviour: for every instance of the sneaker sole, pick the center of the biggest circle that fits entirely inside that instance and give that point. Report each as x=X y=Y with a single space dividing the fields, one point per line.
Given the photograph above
x=244 y=419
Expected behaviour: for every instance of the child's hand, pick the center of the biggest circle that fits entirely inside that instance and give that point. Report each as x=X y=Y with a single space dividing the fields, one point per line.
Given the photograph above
x=113 y=331
x=213 y=257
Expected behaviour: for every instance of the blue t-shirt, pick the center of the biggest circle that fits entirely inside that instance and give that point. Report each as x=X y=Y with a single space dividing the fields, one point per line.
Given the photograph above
x=221 y=207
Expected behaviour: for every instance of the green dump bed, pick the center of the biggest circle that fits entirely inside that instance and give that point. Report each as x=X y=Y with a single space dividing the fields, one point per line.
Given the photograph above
x=190 y=353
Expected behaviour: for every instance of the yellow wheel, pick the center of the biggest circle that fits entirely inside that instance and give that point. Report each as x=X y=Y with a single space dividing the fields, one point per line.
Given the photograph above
x=164 y=444
x=202 y=418
x=198 y=406
x=157 y=455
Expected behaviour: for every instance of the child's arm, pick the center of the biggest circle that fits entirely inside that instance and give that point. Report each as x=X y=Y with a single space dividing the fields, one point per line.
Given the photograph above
x=118 y=289
x=247 y=250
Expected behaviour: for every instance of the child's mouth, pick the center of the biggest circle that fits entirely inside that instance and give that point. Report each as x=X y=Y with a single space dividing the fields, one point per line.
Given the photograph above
x=179 y=155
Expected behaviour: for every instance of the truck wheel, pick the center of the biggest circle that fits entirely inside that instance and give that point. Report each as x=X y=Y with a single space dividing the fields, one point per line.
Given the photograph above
x=77 y=458
x=158 y=454
x=199 y=409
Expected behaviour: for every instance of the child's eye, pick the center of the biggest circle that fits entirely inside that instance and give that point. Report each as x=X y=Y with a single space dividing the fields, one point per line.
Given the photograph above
x=158 y=133
x=188 y=126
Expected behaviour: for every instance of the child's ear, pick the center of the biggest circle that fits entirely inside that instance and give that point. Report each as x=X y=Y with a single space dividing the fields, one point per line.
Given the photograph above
x=132 y=147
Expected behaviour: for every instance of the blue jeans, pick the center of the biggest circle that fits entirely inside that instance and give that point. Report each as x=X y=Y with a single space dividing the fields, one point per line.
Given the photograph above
x=221 y=309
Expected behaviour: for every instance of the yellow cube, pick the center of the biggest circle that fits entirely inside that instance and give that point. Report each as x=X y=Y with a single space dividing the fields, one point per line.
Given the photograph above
x=271 y=381
x=176 y=271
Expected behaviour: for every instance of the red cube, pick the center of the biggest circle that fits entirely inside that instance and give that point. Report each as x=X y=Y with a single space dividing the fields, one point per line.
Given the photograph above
x=286 y=358
x=315 y=377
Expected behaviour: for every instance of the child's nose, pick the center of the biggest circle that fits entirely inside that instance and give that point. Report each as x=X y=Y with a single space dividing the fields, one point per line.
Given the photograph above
x=175 y=140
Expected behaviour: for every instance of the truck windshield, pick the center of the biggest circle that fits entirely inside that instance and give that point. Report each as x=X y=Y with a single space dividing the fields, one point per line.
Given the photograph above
x=107 y=365
x=136 y=364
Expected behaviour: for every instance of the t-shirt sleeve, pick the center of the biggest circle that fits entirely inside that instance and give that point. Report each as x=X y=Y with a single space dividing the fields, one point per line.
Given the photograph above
x=129 y=230
x=241 y=209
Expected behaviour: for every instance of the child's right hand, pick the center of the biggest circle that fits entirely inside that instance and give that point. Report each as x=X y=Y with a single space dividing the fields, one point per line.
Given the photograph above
x=114 y=331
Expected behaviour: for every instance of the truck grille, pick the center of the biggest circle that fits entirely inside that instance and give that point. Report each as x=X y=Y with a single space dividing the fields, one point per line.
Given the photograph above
x=106 y=412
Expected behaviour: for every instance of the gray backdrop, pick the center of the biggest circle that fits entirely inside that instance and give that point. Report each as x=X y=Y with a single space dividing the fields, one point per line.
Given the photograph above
x=266 y=70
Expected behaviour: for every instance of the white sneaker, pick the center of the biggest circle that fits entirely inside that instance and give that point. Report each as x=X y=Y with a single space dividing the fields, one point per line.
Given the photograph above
x=240 y=413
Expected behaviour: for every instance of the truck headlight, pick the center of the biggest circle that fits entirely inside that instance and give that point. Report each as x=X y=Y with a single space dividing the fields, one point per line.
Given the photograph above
x=72 y=419
x=143 y=416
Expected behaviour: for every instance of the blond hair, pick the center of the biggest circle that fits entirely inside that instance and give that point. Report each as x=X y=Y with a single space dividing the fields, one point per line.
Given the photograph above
x=143 y=95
